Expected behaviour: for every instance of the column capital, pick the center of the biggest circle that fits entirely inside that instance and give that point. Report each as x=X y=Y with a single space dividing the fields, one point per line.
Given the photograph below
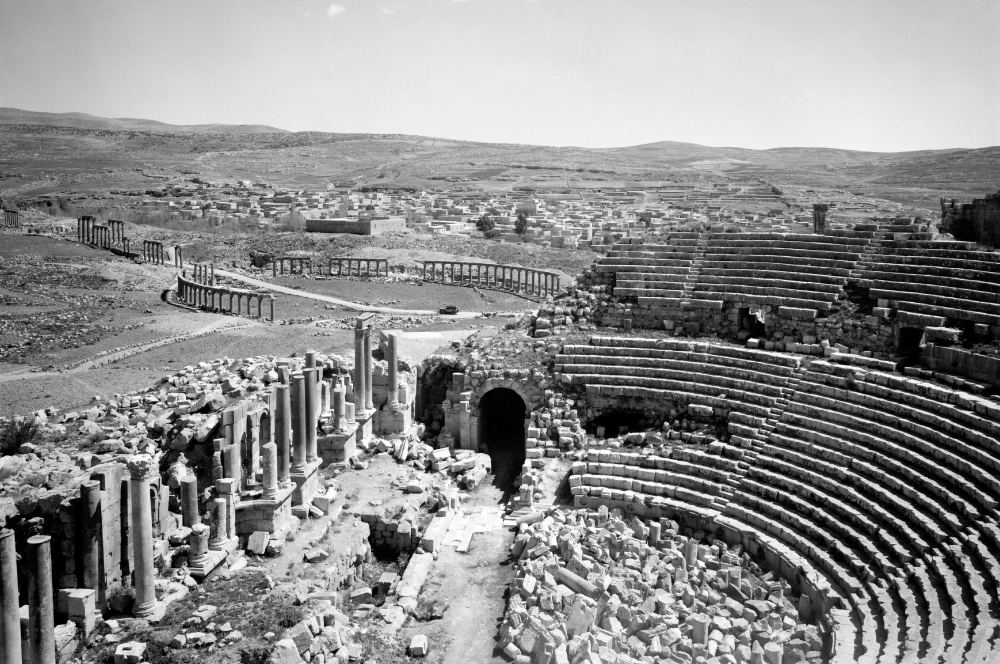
x=141 y=467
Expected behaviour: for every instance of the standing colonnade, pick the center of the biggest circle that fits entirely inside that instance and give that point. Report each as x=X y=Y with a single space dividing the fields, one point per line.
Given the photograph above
x=520 y=280
x=11 y=219
x=359 y=267
x=204 y=273
x=198 y=294
x=296 y=265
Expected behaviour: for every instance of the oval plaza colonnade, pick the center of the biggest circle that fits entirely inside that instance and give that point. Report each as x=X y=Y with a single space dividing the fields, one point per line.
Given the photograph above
x=359 y=267
x=521 y=280
x=201 y=295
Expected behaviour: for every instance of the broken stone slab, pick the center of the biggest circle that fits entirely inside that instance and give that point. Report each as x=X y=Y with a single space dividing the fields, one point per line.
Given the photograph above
x=285 y=652
x=362 y=595
x=418 y=646
x=258 y=541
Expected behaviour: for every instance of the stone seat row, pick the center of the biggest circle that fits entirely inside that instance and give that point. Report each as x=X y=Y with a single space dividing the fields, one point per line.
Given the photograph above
x=956 y=313
x=786 y=249
x=667 y=252
x=660 y=394
x=763 y=299
x=935 y=262
x=811 y=238
x=904 y=491
x=779 y=281
x=984 y=624
x=677 y=268
x=934 y=284
x=667 y=492
x=927 y=296
x=931 y=252
x=761 y=256
x=956 y=611
x=824 y=429
x=801 y=275
x=717 y=355
x=659 y=462
x=821 y=476
x=665 y=469
x=795 y=266
x=833 y=521
x=672 y=260
x=917 y=426
x=767 y=288
x=661 y=368
x=780 y=363
x=668 y=487
x=965 y=415
x=880 y=428
x=885 y=265
x=749 y=393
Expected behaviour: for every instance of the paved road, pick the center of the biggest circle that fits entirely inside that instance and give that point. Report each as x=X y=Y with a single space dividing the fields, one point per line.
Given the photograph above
x=333 y=300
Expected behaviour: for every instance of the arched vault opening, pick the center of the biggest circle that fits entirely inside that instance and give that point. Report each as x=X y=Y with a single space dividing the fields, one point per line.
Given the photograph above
x=502 y=416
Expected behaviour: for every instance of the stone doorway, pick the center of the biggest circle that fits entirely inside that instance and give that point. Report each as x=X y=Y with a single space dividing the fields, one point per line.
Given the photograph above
x=501 y=429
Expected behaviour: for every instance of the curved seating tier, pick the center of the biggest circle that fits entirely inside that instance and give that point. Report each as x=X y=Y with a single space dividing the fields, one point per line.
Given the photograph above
x=712 y=375
x=937 y=279
x=886 y=486
x=657 y=271
x=800 y=271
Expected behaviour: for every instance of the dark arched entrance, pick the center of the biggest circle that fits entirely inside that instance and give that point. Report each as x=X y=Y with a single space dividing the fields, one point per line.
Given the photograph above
x=501 y=429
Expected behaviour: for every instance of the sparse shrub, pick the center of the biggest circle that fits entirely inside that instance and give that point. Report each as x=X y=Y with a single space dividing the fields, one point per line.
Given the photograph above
x=16 y=432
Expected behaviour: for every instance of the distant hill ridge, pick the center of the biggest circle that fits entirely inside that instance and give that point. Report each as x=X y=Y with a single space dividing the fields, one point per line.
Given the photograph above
x=10 y=116
x=977 y=164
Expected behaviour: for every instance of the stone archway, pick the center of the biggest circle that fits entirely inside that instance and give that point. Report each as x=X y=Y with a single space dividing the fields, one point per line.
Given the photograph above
x=501 y=428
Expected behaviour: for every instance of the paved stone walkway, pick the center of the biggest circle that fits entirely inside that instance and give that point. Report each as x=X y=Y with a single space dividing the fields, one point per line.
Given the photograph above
x=333 y=300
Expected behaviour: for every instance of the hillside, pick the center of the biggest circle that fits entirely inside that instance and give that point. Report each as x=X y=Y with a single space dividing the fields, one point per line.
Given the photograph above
x=17 y=116
x=44 y=153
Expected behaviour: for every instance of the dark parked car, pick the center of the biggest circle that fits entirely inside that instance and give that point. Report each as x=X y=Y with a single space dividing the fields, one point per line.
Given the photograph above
x=451 y=310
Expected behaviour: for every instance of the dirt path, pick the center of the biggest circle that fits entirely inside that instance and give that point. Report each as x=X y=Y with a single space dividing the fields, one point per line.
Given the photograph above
x=473 y=585
x=333 y=300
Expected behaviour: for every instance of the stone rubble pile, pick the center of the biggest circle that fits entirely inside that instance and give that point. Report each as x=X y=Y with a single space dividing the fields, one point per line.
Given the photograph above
x=598 y=586
x=570 y=310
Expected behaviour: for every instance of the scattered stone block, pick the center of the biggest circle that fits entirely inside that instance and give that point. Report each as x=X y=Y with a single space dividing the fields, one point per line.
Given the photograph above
x=418 y=646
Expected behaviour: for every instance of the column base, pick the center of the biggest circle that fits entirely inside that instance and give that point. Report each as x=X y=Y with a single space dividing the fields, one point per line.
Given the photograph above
x=151 y=613
x=270 y=515
x=393 y=418
x=211 y=560
x=335 y=447
x=365 y=424
x=306 y=484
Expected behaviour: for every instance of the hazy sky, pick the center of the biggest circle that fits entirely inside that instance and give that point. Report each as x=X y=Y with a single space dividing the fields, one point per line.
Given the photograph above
x=862 y=74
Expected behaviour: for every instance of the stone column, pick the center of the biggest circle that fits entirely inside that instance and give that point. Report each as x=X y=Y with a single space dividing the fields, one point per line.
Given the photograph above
x=338 y=407
x=217 y=529
x=141 y=469
x=392 y=358
x=10 y=620
x=359 y=370
x=312 y=414
x=41 y=618
x=88 y=534
x=270 y=300
x=282 y=434
x=189 y=501
x=310 y=359
x=269 y=459
x=369 y=404
x=198 y=545
x=299 y=423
